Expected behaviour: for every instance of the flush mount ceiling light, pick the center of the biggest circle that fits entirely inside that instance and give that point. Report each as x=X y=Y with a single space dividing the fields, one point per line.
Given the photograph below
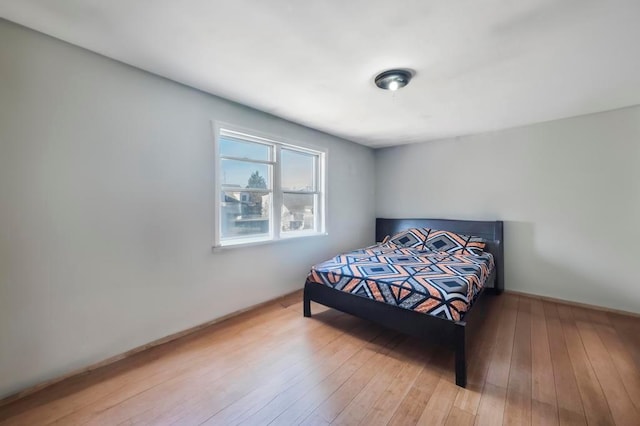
x=393 y=79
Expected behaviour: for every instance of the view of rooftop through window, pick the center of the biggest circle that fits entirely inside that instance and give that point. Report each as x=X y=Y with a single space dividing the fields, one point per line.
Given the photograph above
x=256 y=174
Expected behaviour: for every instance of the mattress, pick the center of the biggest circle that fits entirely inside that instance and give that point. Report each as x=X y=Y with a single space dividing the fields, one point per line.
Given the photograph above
x=431 y=282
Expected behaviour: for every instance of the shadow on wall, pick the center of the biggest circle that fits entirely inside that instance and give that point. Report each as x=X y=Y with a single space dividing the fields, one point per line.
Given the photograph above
x=529 y=269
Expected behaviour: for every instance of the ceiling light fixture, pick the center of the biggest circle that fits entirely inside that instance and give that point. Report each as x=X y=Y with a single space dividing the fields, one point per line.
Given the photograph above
x=393 y=79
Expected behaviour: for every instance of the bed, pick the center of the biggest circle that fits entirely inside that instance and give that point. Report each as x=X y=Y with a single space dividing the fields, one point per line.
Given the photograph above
x=444 y=302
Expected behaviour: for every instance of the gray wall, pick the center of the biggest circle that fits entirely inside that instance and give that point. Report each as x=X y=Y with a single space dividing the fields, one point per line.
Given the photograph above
x=568 y=191
x=107 y=207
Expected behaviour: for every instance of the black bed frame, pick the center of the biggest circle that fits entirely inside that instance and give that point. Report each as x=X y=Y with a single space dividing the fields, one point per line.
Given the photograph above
x=448 y=333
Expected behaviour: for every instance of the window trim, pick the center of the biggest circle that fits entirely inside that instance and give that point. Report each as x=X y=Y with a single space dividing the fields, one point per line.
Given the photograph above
x=275 y=233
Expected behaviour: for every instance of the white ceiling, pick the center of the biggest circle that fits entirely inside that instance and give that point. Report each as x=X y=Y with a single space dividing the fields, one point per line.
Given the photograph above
x=480 y=65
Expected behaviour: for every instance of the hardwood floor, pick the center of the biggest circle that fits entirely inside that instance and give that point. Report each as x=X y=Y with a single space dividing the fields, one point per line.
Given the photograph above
x=533 y=362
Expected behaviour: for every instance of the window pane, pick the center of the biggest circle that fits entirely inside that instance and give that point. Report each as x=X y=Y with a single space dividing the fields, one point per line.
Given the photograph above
x=245 y=175
x=298 y=171
x=230 y=147
x=298 y=212
x=244 y=214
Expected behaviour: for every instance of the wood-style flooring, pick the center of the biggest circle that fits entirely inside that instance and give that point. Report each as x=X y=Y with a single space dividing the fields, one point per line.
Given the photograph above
x=533 y=362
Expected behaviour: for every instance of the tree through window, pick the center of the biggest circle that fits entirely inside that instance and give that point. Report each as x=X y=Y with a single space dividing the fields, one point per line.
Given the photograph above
x=268 y=190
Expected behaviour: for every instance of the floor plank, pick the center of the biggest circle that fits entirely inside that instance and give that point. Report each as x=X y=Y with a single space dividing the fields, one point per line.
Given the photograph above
x=594 y=402
x=294 y=378
x=622 y=360
x=437 y=409
x=628 y=330
x=468 y=399
x=316 y=395
x=544 y=407
x=342 y=397
x=622 y=408
x=517 y=410
x=414 y=361
x=458 y=417
x=570 y=407
x=257 y=379
x=498 y=373
x=364 y=402
x=309 y=378
x=491 y=409
x=531 y=362
x=412 y=406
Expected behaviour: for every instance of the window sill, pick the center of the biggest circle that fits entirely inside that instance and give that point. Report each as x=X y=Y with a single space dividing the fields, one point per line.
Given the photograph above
x=282 y=239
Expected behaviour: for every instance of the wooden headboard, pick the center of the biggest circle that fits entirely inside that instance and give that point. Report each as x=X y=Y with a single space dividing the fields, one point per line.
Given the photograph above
x=489 y=231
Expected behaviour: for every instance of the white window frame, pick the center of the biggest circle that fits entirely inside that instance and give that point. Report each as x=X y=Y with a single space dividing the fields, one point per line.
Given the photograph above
x=275 y=233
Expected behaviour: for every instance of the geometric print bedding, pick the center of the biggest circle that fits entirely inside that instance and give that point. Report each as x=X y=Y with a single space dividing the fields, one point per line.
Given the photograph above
x=453 y=243
x=435 y=240
x=412 y=237
x=432 y=282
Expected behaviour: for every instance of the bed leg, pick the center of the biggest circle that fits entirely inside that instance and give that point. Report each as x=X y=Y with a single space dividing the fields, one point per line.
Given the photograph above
x=306 y=305
x=461 y=358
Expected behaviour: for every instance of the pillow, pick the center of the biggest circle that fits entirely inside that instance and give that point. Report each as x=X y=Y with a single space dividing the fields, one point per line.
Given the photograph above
x=475 y=246
x=413 y=237
x=452 y=243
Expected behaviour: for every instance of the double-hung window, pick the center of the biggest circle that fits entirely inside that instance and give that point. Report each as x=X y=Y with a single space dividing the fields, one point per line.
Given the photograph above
x=266 y=189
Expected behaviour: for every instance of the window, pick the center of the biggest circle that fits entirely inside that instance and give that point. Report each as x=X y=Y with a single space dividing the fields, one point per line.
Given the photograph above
x=267 y=189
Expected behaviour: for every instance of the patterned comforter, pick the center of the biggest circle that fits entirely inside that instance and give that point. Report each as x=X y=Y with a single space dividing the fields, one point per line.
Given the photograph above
x=436 y=283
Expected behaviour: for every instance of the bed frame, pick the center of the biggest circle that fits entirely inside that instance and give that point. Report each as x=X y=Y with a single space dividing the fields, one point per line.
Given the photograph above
x=451 y=334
